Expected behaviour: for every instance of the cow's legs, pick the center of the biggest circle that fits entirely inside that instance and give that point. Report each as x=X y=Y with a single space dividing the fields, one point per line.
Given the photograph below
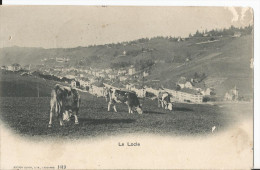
x=108 y=106
x=60 y=117
x=132 y=110
x=75 y=114
x=129 y=109
x=114 y=108
x=53 y=105
x=162 y=104
x=165 y=105
x=60 y=114
x=70 y=113
x=61 y=122
x=159 y=103
x=51 y=114
x=76 y=119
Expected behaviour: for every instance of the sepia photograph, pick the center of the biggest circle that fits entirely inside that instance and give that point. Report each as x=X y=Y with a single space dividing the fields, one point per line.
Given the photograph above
x=126 y=87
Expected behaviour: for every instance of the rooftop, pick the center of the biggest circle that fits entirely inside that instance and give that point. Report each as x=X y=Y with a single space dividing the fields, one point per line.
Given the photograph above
x=190 y=91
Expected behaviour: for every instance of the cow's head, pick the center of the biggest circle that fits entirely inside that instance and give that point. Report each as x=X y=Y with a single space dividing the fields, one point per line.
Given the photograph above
x=66 y=116
x=170 y=106
x=59 y=92
x=139 y=109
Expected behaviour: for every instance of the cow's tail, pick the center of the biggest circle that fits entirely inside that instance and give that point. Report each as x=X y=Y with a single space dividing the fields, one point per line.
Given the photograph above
x=158 y=99
x=79 y=100
x=78 y=104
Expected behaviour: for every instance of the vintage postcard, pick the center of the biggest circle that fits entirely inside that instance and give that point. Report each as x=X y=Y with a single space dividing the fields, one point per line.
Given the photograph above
x=113 y=87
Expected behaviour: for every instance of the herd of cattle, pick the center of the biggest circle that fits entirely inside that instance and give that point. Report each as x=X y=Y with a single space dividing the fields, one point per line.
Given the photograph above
x=65 y=102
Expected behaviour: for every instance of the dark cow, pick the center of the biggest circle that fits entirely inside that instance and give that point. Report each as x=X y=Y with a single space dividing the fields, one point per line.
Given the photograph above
x=129 y=98
x=164 y=100
x=63 y=100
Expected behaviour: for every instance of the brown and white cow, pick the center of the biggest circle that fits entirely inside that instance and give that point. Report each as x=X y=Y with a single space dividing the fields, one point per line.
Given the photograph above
x=64 y=100
x=129 y=98
x=164 y=100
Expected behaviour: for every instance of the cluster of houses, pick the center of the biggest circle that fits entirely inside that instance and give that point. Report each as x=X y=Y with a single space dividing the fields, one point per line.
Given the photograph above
x=189 y=92
x=186 y=94
x=16 y=67
x=231 y=95
x=97 y=88
x=13 y=67
x=94 y=80
x=91 y=75
x=193 y=86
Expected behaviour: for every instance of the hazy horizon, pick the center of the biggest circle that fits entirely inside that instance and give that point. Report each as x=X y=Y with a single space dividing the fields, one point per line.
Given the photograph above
x=80 y=26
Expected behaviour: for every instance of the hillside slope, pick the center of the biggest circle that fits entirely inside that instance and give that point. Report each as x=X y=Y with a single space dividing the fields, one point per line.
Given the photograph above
x=14 y=85
x=224 y=60
x=226 y=64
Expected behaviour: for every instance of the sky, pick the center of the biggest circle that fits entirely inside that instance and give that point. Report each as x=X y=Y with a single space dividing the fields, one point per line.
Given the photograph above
x=73 y=26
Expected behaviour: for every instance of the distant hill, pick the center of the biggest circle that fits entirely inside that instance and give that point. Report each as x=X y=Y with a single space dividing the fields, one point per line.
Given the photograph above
x=224 y=59
x=225 y=62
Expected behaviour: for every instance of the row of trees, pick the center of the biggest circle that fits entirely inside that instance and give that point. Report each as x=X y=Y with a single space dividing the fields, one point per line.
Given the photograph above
x=214 y=32
x=223 y=32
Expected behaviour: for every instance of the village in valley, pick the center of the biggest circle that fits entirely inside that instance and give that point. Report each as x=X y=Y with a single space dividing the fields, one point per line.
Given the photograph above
x=140 y=67
x=138 y=76
x=94 y=81
x=145 y=67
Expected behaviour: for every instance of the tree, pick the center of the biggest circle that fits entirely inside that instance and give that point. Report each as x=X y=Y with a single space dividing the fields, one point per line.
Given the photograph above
x=198 y=34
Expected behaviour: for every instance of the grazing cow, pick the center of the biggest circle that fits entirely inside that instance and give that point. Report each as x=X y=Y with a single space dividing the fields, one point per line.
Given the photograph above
x=164 y=100
x=129 y=98
x=63 y=100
